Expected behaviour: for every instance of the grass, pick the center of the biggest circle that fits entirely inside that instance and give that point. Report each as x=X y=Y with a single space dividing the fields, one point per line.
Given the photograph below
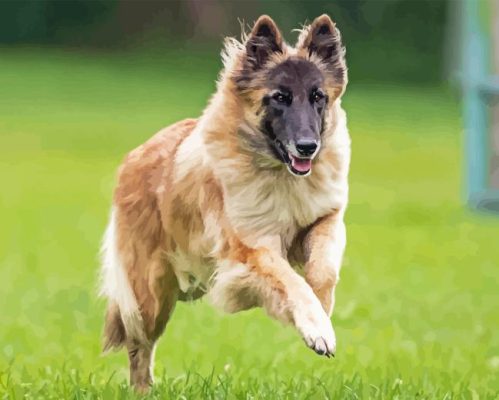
x=416 y=313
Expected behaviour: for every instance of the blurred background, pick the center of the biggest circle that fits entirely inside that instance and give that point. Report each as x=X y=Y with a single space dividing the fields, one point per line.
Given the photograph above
x=84 y=82
x=389 y=40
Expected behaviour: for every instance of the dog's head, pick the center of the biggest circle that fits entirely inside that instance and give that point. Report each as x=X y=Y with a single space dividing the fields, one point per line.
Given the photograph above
x=287 y=92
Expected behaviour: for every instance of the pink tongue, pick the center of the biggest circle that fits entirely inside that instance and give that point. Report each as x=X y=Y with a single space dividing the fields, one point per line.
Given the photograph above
x=301 y=165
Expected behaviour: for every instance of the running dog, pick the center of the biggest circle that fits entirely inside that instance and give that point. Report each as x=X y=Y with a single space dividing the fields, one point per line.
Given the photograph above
x=236 y=203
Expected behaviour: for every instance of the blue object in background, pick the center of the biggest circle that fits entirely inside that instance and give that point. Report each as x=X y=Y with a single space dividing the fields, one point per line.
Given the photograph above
x=480 y=89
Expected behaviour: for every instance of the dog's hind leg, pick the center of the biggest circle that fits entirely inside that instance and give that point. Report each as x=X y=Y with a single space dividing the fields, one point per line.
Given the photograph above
x=140 y=352
x=142 y=290
x=141 y=357
x=156 y=296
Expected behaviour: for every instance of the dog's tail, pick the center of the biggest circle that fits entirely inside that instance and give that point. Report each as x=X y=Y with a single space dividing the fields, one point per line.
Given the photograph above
x=114 y=329
x=123 y=318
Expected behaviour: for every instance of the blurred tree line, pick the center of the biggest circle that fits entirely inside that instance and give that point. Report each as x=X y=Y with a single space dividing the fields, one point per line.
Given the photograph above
x=386 y=39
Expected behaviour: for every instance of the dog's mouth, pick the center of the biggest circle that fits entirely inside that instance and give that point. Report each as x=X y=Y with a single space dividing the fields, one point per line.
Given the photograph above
x=300 y=166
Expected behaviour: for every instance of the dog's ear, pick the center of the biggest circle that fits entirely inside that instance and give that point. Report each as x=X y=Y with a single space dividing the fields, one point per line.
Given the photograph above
x=264 y=40
x=323 y=39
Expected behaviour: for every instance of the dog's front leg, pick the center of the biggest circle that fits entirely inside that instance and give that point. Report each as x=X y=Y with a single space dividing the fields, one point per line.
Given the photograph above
x=323 y=248
x=247 y=277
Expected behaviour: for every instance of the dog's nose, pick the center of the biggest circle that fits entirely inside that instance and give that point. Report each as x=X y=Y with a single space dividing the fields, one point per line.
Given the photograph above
x=306 y=147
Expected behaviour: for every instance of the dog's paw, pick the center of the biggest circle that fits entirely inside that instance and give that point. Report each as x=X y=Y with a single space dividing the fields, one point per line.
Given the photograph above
x=320 y=346
x=317 y=332
x=323 y=343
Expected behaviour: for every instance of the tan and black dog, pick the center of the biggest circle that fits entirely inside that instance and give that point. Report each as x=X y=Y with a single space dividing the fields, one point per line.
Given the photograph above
x=231 y=204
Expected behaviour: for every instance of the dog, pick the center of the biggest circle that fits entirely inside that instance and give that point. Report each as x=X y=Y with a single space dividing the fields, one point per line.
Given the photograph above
x=245 y=204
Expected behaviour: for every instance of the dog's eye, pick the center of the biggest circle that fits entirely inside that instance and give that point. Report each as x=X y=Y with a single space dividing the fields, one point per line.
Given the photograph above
x=280 y=97
x=316 y=96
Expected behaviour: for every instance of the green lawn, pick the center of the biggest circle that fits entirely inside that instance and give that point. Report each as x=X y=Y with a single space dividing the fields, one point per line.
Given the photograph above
x=417 y=307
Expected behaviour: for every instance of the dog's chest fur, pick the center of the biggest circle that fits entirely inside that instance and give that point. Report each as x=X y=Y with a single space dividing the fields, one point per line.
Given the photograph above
x=281 y=204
